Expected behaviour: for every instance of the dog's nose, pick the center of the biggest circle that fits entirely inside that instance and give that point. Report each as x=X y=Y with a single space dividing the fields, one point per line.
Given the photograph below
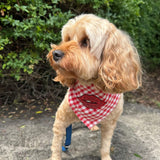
x=57 y=55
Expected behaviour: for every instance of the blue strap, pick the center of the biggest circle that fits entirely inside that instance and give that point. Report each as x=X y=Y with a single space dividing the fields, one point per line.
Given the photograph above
x=68 y=138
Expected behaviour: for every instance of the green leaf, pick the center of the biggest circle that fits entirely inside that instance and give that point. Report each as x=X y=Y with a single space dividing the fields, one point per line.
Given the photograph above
x=8 y=7
x=1 y=57
x=4 y=66
x=23 y=126
x=39 y=112
x=137 y=155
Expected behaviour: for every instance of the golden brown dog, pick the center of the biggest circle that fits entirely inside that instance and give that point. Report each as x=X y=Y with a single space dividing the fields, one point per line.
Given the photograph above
x=93 y=52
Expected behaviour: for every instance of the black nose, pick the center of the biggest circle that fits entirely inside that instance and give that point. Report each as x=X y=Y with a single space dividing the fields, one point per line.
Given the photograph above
x=57 y=55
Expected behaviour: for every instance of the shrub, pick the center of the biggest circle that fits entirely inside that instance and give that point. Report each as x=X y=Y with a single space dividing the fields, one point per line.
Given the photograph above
x=29 y=26
x=140 y=18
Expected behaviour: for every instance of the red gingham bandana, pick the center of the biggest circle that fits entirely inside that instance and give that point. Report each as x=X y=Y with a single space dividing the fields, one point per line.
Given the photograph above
x=90 y=104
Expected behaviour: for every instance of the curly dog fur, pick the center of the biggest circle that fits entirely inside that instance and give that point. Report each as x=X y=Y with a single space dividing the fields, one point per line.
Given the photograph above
x=93 y=51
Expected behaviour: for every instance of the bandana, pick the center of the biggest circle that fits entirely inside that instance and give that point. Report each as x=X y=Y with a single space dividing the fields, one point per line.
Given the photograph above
x=90 y=104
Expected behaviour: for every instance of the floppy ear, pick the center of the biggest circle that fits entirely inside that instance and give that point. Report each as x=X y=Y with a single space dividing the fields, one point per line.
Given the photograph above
x=120 y=69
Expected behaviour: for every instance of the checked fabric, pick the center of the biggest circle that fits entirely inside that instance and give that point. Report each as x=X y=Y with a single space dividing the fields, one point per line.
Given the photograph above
x=91 y=105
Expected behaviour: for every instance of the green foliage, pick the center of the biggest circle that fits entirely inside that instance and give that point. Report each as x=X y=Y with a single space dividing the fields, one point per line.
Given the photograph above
x=29 y=26
x=141 y=19
x=25 y=62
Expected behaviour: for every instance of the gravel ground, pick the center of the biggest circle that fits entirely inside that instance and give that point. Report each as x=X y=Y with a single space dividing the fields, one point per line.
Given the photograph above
x=136 y=137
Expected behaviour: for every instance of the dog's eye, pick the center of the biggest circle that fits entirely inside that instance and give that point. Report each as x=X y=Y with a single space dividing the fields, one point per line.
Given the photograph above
x=67 y=38
x=84 y=42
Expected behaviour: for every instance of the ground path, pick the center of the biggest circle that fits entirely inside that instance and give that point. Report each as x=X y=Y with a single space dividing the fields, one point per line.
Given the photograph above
x=136 y=137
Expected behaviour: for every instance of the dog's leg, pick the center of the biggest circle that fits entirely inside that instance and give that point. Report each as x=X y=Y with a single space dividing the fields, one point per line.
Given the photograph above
x=58 y=131
x=106 y=137
x=107 y=129
x=64 y=117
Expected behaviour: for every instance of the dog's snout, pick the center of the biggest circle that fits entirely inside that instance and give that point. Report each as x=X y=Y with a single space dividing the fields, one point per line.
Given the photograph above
x=57 y=55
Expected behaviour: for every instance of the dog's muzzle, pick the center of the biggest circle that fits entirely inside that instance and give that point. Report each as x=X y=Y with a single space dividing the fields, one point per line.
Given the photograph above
x=57 y=55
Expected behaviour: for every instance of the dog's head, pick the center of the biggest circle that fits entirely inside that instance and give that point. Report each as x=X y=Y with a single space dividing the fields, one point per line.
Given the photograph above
x=93 y=50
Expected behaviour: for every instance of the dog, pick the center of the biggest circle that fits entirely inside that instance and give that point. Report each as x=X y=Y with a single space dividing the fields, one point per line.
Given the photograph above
x=98 y=62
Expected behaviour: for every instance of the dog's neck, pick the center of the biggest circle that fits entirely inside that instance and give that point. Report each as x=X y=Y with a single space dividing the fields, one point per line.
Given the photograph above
x=97 y=82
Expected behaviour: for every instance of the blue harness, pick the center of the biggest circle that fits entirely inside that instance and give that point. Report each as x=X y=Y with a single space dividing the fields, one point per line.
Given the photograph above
x=68 y=138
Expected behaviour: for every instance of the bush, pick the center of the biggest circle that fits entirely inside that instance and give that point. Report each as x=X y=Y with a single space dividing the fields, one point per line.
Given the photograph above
x=141 y=19
x=29 y=26
x=26 y=32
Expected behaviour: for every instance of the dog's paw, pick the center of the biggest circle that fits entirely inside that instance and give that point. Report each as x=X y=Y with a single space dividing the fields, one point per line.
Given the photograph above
x=107 y=158
x=55 y=158
x=95 y=128
x=48 y=159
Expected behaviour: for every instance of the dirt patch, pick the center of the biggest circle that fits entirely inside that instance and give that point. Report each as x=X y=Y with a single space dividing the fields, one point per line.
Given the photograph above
x=149 y=93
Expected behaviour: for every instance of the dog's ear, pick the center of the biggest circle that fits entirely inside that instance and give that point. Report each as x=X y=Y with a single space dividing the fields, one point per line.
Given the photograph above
x=120 y=68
